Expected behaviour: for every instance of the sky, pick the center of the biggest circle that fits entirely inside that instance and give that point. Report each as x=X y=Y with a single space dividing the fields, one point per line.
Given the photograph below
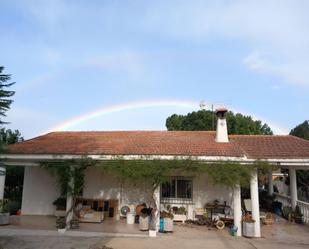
x=71 y=59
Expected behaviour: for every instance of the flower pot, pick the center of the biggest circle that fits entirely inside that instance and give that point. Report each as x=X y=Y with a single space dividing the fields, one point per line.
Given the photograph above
x=248 y=229
x=4 y=218
x=152 y=233
x=144 y=223
x=180 y=217
x=130 y=218
x=168 y=225
x=298 y=219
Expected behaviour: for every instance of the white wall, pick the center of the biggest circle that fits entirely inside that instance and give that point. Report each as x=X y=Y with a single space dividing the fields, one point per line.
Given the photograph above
x=104 y=186
x=39 y=192
x=204 y=191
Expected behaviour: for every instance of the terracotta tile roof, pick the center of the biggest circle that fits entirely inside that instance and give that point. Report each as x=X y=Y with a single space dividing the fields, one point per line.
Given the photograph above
x=126 y=143
x=195 y=143
x=268 y=147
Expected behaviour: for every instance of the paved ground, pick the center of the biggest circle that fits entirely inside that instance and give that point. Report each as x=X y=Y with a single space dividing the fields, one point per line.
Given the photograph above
x=283 y=235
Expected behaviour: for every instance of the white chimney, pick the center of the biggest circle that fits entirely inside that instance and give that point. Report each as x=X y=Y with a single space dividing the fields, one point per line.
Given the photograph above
x=221 y=135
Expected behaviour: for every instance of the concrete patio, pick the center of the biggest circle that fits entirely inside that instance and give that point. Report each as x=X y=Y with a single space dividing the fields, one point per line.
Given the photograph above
x=282 y=234
x=48 y=223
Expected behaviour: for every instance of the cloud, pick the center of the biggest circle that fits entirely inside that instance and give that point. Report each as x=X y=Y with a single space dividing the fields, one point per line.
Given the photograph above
x=291 y=72
x=277 y=29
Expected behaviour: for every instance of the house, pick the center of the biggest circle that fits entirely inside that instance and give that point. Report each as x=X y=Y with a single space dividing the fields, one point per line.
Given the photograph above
x=192 y=192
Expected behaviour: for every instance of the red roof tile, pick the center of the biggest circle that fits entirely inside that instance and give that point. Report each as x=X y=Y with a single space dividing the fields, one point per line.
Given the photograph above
x=126 y=143
x=267 y=147
x=195 y=143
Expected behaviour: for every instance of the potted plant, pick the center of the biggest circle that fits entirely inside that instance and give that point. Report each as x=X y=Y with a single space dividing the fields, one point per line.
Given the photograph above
x=144 y=222
x=60 y=204
x=248 y=226
x=286 y=212
x=297 y=215
x=180 y=214
x=4 y=213
x=168 y=220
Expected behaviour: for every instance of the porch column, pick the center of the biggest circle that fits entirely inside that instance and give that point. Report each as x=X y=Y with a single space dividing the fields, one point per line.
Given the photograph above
x=254 y=191
x=270 y=183
x=69 y=209
x=293 y=187
x=2 y=182
x=156 y=196
x=237 y=209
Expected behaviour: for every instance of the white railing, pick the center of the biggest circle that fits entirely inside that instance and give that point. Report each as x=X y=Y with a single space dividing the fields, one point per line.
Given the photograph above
x=303 y=206
x=304 y=209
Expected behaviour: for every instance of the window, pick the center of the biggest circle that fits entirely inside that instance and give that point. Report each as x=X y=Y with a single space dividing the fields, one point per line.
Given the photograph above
x=177 y=188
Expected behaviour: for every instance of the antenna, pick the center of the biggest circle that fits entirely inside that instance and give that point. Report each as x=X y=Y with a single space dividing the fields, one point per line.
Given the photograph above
x=203 y=105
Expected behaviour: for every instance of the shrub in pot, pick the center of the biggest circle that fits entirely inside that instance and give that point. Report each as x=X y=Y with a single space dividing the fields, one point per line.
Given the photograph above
x=60 y=203
x=286 y=212
x=13 y=207
x=297 y=215
x=144 y=222
x=4 y=212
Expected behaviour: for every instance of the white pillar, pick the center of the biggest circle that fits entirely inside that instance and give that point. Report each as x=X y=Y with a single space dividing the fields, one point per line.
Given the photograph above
x=270 y=183
x=237 y=209
x=293 y=187
x=2 y=182
x=254 y=190
x=156 y=196
x=69 y=204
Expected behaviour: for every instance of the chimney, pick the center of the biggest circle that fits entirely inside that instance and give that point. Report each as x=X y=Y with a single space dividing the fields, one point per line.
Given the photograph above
x=221 y=134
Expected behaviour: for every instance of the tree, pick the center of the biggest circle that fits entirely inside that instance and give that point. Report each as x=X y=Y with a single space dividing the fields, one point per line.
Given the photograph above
x=5 y=95
x=14 y=174
x=204 y=120
x=302 y=131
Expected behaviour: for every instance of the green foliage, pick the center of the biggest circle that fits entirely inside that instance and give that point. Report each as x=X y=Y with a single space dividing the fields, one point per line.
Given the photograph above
x=4 y=208
x=60 y=203
x=14 y=174
x=69 y=171
x=13 y=206
x=5 y=95
x=203 y=120
x=155 y=172
x=7 y=137
x=301 y=130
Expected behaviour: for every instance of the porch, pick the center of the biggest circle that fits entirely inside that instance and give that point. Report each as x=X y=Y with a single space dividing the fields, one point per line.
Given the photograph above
x=282 y=234
x=108 y=227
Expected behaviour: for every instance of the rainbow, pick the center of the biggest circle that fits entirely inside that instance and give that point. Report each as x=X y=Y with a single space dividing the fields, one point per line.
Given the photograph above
x=192 y=105
x=122 y=107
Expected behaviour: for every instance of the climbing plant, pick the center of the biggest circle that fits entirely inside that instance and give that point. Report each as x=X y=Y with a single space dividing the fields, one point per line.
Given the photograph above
x=70 y=176
x=154 y=172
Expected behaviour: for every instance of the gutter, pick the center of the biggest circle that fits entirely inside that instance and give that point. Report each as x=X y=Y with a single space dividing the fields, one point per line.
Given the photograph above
x=35 y=159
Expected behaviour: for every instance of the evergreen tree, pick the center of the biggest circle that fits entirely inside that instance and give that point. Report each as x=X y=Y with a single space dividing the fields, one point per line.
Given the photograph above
x=5 y=95
x=205 y=120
